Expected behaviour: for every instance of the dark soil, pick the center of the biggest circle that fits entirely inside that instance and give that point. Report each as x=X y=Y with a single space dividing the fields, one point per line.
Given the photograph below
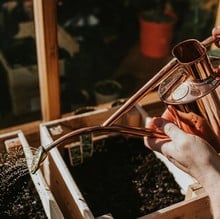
x=19 y=198
x=125 y=179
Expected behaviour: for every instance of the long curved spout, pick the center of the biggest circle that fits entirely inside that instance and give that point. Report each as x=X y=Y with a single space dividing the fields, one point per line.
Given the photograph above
x=41 y=154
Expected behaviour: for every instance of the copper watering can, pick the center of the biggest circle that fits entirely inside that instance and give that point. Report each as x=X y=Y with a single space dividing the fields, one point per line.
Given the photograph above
x=190 y=82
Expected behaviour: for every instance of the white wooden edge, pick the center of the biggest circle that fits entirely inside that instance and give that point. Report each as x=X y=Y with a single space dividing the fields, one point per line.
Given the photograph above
x=68 y=179
x=50 y=206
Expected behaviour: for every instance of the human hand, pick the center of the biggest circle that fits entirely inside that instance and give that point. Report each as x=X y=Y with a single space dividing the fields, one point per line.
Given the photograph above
x=216 y=34
x=189 y=152
x=193 y=124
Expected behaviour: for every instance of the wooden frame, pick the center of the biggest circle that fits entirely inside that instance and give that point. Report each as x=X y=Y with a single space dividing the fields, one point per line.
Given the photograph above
x=70 y=199
x=47 y=56
x=46 y=39
x=217 y=22
x=17 y=139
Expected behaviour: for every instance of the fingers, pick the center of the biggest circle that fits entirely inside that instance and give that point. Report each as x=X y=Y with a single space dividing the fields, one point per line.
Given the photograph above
x=216 y=31
x=151 y=142
x=179 y=117
x=189 y=122
x=168 y=114
x=175 y=116
x=194 y=124
x=216 y=34
x=169 y=128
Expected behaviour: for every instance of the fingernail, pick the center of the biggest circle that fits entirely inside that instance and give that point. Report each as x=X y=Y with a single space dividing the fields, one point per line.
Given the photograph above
x=215 y=29
x=216 y=32
x=148 y=120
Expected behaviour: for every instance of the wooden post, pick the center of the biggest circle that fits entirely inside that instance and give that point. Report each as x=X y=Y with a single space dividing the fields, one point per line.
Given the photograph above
x=217 y=22
x=47 y=56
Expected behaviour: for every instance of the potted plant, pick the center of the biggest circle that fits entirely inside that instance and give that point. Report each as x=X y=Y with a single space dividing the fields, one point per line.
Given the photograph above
x=157 y=21
x=107 y=91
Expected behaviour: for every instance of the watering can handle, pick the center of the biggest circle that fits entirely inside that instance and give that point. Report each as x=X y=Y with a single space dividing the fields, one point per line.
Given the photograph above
x=207 y=42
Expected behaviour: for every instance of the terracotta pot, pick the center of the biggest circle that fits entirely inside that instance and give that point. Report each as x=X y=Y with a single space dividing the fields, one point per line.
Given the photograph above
x=155 y=38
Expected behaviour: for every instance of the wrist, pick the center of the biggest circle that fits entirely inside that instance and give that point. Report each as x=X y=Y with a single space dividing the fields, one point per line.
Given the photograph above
x=212 y=186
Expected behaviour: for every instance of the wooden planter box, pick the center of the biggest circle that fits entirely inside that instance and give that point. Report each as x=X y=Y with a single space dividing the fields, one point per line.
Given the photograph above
x=70 y=198
x=17 y=139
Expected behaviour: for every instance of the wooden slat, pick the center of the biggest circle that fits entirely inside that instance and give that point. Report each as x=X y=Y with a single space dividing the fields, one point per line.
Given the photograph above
x=72 y=202
x=197 y=207
x=217 y=22
x=47 y=56
x=27 y=128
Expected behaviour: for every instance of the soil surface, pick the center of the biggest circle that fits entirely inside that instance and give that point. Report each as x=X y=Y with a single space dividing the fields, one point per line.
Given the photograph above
x=19 y=198
x=125 y=179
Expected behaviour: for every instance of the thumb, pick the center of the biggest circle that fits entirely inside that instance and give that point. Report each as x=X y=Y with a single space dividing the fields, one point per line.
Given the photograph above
x=169 y=128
